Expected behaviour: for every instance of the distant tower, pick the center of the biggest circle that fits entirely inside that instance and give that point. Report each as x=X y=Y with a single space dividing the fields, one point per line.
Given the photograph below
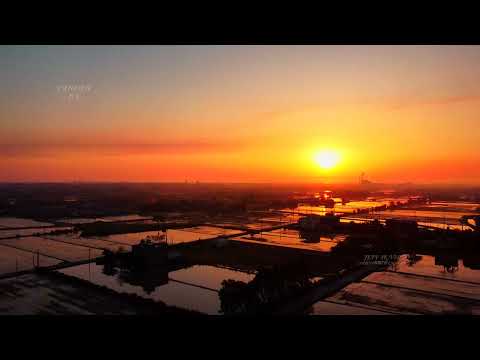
x=361 y=178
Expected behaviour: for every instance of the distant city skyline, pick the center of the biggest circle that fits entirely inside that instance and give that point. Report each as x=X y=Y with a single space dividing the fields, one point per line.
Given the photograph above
x=240 y=113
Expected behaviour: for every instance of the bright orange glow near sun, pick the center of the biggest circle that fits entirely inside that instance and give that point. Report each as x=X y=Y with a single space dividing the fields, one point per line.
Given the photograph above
x=327 y=159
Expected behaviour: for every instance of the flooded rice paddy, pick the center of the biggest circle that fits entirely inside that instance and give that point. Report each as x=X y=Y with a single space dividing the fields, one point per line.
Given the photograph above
x=131 y=217
x=28 y=232
x=174 y=236
x=292 y=238
x=194 y=288
x=12 y=222
x=23 y=252
x=416 y=285
x=14 y=259
x=54 y=249
x=435 y=214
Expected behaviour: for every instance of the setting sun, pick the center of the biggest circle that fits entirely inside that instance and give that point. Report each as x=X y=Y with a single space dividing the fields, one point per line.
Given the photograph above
x=327 y=159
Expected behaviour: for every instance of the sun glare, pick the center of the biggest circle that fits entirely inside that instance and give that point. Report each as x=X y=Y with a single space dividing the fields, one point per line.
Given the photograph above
x=327 y=159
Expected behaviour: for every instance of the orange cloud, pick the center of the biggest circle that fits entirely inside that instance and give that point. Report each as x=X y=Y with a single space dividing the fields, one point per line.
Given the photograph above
x=41 y=150
x=438 y=101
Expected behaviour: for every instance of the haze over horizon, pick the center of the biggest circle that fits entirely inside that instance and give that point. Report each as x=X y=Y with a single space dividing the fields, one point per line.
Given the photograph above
x=240 y=113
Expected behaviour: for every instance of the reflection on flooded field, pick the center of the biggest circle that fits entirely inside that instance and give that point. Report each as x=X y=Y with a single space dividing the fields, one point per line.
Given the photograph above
x=76 y=221
x=132 y=217
x=194 y=288
x=28 y=232
x=53 y=249
x=453 y=206
x=435 y=214
x=74 y=238
x=295 y=239
x=418 y=284
x=20 y=253
x=174 y=236
x=14 y=259
x=345 y=208
x=449 y=267
x=57 y=294
x=241 y=274
x=12 y=222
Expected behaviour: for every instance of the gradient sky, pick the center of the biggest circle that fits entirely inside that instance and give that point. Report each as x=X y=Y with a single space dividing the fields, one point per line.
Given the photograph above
x=239 y=113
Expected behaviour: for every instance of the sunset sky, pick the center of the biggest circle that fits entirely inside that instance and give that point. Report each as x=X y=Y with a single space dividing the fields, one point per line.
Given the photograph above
x=240 y=113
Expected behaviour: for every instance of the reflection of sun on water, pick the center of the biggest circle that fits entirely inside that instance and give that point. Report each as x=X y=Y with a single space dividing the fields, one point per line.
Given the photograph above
x=327 y=159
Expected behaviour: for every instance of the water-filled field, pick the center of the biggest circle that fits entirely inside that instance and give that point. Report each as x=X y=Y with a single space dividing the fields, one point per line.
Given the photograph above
x=415 y=285
x=28 y=232
x=13 y=222
x=54 y=249
x=194 y=288
x=292 y=238
x=174 y=236
x=436 y=214
x=13 y=260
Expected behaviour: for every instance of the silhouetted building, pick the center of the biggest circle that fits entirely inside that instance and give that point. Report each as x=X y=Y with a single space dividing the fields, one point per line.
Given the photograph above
x=317 y=222
x=148 y=253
